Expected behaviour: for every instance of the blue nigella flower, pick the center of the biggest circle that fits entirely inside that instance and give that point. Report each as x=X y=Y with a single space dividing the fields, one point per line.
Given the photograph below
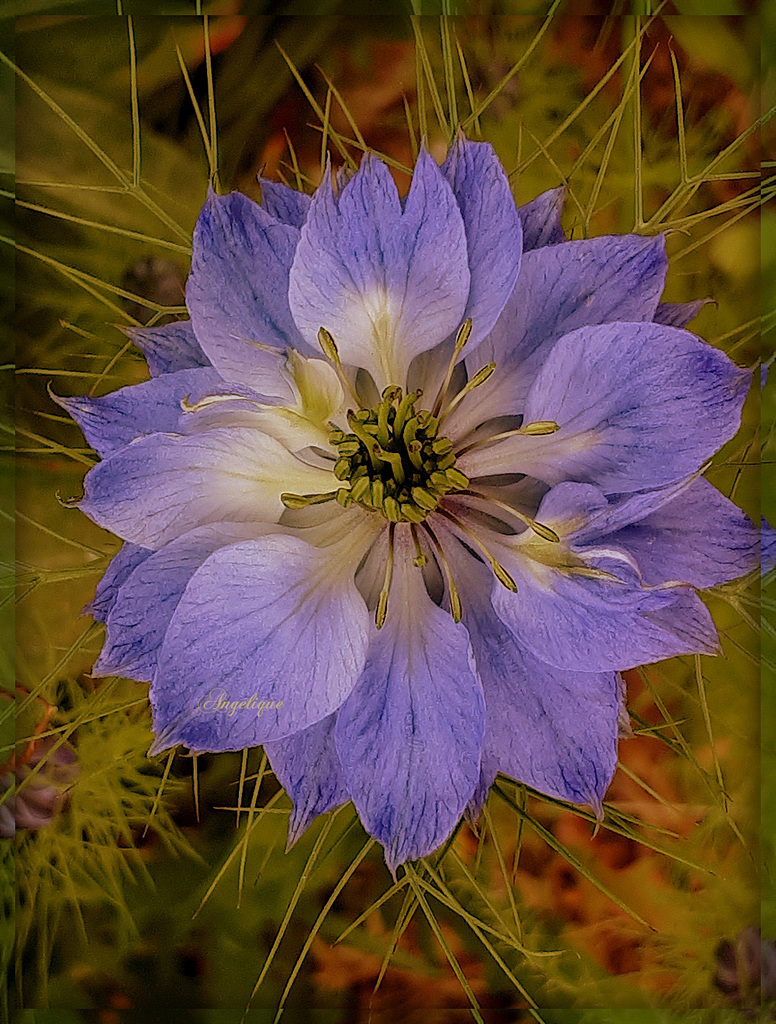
x=417 y=480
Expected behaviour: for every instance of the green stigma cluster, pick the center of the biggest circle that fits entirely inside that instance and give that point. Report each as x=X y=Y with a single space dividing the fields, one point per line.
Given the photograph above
x=393 y=460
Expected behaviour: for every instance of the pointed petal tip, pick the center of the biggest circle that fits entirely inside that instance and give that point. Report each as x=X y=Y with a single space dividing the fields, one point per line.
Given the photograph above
x=160 y=745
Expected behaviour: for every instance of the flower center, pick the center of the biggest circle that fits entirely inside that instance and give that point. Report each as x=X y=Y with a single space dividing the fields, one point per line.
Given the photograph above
x=394 y=460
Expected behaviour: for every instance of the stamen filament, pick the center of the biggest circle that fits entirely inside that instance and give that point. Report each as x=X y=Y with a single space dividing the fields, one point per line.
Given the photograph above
x=455 y=601
x=499 y=571
x=539 y=528
x=542 y=427
x=382 y=601
x=464 y=332
x=393 y=458
x=330 y=350
x=479 y=378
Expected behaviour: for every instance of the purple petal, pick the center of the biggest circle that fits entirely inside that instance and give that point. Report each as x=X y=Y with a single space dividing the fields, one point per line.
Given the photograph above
x=493 y=230
x=308 y=768
x=164 y=485
x=639 y=406
x=553 y=729
x=584 y=624
x=679 y=314
x=561 y=288
x=237 y=292
x=146 y=600
x=274 y=618
x=124 y=562
x=153 y=407
x=699 y=537
x=169 y=348
x=593 y=625
x=541 y=219
x=285 y=204
x=386 y=282
x=410 y=734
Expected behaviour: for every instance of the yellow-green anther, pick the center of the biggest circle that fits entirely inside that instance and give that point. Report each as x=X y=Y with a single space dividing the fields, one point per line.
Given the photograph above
x=544 y=531
x=457 y=478
x=328 y=345
x=441 y=446
x=464 y=332
x=424 y=498
x=539 y=428
x=461 y=338
x=541 y=529
x=342 y=468
x=343 y=497
x=480 y=376
x=447 y=461
x=349 y=447
x=382 y=609
x=392 y=510
x=420 y=559
x=336 y=437
x=382 y=601
x=503 y=576
x=360 y=488
x=303 y=500
x=329 y=349
x=440 y=482
x=412 y=512
x=378 y=493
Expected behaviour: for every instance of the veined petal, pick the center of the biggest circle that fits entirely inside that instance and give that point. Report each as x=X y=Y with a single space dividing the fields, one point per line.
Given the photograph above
x=153 y=407
x=679 y=314
x=163 y=485
x=595 y=625
x=169 y=348
x=699 y=536
x=493 y=231
x=285 y=204
x=410 y=734
x=308 y=768
x=124 y=562
x=553 y=729
x=299 y=421
x=146 y=600
x=639 y=405
x=276 y=618
x=386 y=282
x=541 y=219
x=238 y=287
x=561 y=288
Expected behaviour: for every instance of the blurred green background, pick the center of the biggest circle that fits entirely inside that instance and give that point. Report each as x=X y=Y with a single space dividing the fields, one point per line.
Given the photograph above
x=148 y=890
